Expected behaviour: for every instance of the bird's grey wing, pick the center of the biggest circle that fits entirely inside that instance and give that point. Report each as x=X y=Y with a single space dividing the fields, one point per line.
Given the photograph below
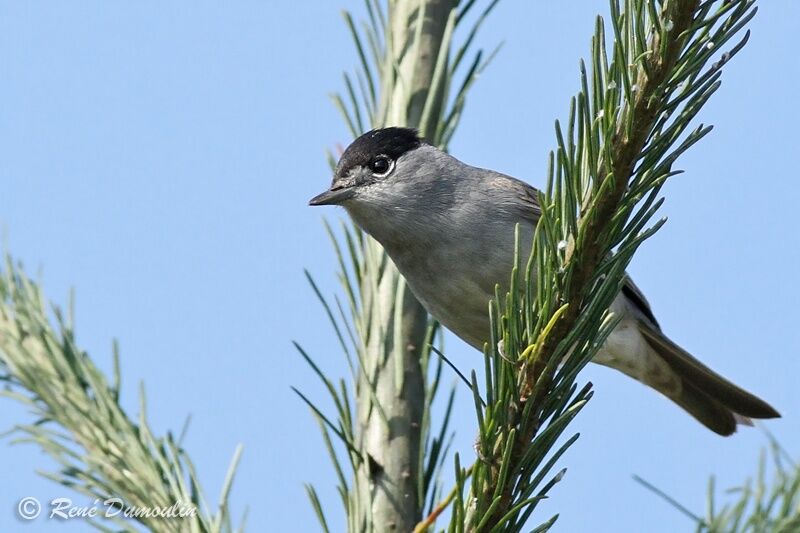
x=634 y=295
x=526 y=200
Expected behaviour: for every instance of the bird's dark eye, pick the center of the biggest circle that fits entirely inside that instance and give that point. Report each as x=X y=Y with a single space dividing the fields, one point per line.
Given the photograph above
x=381 y=165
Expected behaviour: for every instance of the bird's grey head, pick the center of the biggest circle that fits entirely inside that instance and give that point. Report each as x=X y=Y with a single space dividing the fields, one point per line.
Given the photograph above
x=387 y=175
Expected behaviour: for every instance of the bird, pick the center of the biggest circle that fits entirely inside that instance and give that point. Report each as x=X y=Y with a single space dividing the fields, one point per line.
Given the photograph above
x=450 y=229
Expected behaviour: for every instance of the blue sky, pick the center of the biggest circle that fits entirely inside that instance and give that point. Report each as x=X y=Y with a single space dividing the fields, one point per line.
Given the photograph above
x=158 y=158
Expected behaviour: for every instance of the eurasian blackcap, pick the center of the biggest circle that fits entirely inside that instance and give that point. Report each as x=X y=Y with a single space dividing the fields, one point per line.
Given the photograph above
x=449 y=228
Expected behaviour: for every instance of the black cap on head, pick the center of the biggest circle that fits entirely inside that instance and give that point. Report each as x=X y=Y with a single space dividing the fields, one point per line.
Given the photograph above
x=392 y=142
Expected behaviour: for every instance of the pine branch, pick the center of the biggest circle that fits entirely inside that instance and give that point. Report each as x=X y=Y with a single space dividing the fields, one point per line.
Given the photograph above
x=637 y=120
x=767 y=503
x=602 y=192
x=103 y=452
x=394 y=379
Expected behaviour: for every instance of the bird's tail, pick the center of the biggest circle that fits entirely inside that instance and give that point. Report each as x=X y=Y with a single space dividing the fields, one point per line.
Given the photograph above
x=704 y=394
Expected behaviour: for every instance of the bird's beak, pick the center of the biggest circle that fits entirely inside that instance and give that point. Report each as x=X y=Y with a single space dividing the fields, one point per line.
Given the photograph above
x=334 y=196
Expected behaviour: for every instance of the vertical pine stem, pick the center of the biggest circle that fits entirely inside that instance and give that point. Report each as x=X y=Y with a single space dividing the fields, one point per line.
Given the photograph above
x=390 y=431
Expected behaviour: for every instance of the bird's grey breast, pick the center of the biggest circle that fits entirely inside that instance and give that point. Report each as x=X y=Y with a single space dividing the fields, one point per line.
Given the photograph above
x=457 y=252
